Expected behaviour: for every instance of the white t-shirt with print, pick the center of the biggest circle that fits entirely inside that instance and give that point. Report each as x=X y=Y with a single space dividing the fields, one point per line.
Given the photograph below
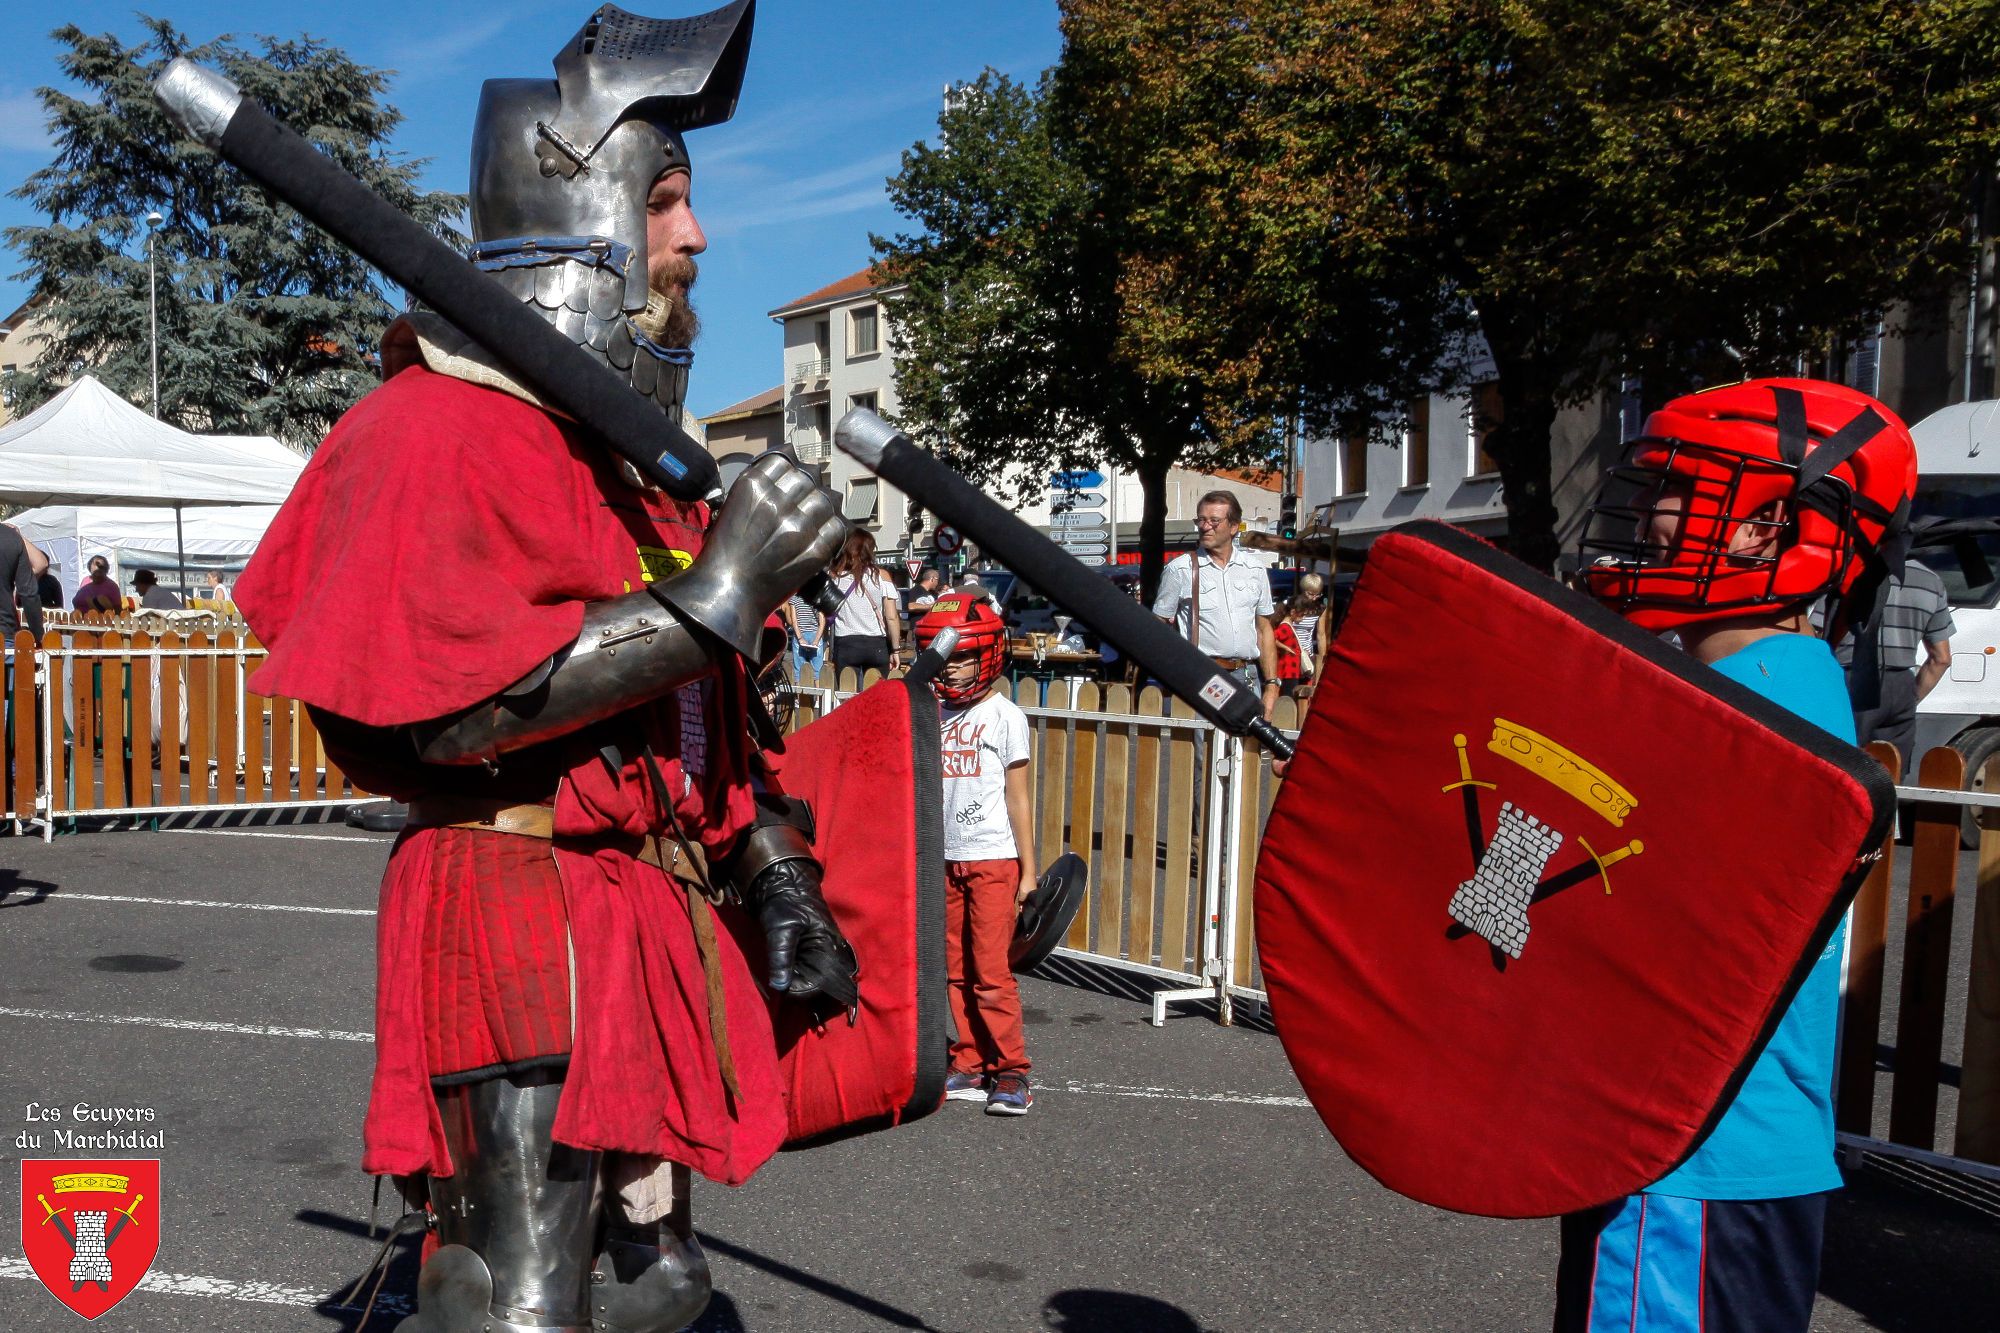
x=861 y=603
x=980 y=743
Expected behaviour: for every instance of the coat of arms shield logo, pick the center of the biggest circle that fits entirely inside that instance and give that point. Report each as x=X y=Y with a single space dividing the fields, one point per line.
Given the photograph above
x=90 y=1226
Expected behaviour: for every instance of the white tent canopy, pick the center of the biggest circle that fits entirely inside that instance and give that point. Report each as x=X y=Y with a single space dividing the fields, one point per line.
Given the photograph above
x=89 y=446
x=144 y=538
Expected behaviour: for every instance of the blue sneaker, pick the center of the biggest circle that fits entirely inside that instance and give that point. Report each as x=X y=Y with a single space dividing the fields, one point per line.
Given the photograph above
x=1009 y=1094
x=964 y=1087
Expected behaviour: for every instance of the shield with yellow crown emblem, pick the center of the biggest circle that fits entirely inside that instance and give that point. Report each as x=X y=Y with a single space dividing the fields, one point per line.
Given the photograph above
x=1538 y=886
x=90 y=1227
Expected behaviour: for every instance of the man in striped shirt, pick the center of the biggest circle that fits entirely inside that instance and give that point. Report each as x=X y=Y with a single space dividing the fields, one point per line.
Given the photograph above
x=1915 y=654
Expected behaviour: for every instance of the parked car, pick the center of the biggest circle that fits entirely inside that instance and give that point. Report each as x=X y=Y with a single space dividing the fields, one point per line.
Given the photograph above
x=1958 y=479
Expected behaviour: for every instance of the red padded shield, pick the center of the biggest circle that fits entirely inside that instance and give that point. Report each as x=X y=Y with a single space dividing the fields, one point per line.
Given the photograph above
x=1538 y=887
x=870 y=770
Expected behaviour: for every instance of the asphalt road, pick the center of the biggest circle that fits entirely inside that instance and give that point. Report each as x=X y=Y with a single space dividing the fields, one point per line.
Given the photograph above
x=1167 y=1179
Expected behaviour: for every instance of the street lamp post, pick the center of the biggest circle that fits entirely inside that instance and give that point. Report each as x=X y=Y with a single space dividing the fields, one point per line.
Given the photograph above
x=153 y=221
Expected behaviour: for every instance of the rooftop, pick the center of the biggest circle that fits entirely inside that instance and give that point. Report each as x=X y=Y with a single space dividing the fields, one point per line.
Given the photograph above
x=771 y=400
x=854 y=284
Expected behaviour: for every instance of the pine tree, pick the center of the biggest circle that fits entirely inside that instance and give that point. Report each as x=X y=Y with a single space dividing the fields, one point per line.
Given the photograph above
x=266 y=325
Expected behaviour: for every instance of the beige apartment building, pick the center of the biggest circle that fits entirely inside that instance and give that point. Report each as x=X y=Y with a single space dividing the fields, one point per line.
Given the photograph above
x=837 y=357
x=23 y=335
x=741 y=431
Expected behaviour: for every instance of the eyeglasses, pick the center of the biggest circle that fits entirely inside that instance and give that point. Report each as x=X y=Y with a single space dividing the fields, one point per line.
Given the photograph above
x=1212 y=522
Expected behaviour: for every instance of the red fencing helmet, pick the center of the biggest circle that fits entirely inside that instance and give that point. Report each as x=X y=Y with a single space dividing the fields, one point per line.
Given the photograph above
x=981 y=633
x=1825 y=471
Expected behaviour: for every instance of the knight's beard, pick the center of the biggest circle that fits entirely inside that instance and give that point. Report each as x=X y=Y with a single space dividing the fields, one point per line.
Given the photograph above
x=670 y=321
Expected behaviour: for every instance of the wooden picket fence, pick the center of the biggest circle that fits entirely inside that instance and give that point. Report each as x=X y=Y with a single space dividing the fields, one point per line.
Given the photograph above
x=127 y=621
x=108 y=722
x=1921 y=1103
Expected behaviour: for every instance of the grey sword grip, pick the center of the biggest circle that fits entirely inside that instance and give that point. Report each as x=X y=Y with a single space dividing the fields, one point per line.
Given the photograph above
x=925 y=666
x=198 y=100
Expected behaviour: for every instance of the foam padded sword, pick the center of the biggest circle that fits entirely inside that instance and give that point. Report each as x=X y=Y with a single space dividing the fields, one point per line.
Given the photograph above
x=1186 y=673
x=215 y=112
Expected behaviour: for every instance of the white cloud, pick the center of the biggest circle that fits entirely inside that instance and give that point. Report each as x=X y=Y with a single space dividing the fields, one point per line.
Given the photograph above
x=796 y=125
x=23 y=127
x=759 y=197
x=449 y=45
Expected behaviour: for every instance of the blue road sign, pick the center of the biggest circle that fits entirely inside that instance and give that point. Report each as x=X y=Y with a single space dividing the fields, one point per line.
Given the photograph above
x=1076 y=479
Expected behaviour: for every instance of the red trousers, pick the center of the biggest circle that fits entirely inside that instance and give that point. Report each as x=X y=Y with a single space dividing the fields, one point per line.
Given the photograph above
x=985 y=1002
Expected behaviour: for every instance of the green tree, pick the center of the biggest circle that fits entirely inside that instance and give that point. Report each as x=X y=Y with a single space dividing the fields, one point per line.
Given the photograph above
x=1033 y=334
x=265 y=325
x=1683 y=191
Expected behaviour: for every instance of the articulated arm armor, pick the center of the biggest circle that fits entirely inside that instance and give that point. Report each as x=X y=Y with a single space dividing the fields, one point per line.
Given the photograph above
x=777 y=529
x=631 y=651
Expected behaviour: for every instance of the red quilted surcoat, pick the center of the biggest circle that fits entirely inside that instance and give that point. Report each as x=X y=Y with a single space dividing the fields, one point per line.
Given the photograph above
x=440 y=545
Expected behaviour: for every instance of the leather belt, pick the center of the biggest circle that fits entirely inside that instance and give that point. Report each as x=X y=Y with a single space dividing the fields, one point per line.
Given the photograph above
x=491 y=815
x=1231 y=663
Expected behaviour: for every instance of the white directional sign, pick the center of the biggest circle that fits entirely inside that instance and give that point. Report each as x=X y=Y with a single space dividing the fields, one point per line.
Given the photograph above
x=1081 y=549
x=1089 y=559
x=1091 y=520
x=1085 y=499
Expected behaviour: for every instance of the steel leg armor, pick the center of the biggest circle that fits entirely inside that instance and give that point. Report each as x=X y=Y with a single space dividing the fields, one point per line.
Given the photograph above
x=525 y=1246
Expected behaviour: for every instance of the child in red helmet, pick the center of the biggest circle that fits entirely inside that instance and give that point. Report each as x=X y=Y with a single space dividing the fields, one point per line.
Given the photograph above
x=1735 y=512
x=989 y=853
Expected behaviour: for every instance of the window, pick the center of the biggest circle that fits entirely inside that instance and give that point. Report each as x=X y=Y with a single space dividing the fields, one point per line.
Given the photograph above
x=822 y=422
x=1482 y=420
x=822 y=338
x=1631 y=409
x=867 y=400
x=1417 y=444
x=863 y=496
x=1862 y=366
x=862 y=333
x=1353 y=478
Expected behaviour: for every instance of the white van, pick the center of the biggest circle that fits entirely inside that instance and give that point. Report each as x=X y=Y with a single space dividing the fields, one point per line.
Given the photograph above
x=1958 y=476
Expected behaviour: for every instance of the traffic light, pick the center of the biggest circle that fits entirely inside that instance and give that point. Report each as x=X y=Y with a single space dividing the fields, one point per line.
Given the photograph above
x=915 y=522
x=1288 y=515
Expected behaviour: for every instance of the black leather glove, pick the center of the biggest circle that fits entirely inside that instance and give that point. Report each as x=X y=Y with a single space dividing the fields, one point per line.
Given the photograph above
x=810 y=959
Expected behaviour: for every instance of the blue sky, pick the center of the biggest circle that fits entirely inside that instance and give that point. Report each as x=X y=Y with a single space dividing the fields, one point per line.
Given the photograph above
x=788 y=191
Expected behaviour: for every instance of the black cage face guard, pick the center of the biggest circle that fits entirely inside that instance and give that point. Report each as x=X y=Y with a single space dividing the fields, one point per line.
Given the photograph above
x=1659 y=530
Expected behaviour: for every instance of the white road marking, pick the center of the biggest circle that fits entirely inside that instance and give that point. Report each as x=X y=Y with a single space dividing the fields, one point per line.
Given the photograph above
x=262 y=1293
x=1169 y=1094
x=330 y=1034
x=63 y=895
x=188 y=1024
x=260 y=833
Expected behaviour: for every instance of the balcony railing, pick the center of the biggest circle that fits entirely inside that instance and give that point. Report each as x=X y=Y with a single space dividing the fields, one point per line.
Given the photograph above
x=810 y=370
x=812 y=450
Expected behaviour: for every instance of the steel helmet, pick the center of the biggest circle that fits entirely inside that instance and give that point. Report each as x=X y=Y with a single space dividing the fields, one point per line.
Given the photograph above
x=562 y=169
x=1824 y=469
x=981 y=633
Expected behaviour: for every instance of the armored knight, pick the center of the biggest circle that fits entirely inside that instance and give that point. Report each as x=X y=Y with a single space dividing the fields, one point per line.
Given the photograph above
x=492 y=620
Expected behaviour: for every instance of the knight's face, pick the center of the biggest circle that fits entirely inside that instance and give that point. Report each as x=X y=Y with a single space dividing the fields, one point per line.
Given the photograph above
x=673 y=236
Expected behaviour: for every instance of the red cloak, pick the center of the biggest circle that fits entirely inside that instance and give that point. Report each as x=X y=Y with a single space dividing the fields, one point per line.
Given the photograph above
x=441 y=544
